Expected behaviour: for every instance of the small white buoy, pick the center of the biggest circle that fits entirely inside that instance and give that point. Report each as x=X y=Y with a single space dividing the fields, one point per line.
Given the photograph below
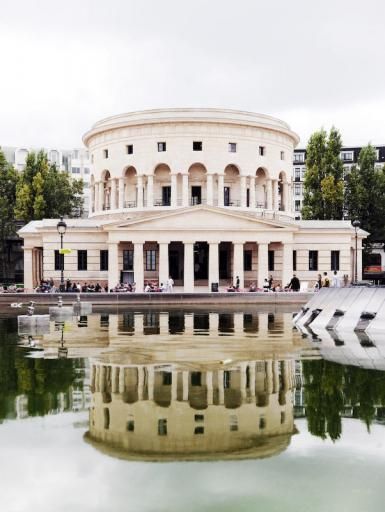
x=16 y=304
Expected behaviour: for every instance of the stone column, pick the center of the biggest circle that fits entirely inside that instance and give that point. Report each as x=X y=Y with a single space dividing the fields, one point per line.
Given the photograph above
x=140 y=383
x=113 y=194
x=263 y=325
x=92 y=199
x=185 y=198
x=188 y=267
x=121 y=380
x=174 y=190
x=209 y=386
x=174 y=385
x=139 y=192
x=285 y=196
x=269 y=195
x=150 y=191
x=185 y=383
x=101 y=196
x=238 y=325
x=252 y=192
x=163 y=324
x=238 y=264
x=243 y=191
x=221 y=388
x=269 y=376
x=221 y=186
x=28 y=269
x=290 y=197
x=138 y=324
x=263 y=263
x=121 y=193
x=150 y=382
x=96 y=197
x=275 y=377
x=138 y=266
x=275 y=195
x=287 y=264
x=213 y=263
x=210 y=190
x=242 y=370
x=252 y=378
x=213 y=324
x=359 y=261
x=163 y=263
x=113 y=265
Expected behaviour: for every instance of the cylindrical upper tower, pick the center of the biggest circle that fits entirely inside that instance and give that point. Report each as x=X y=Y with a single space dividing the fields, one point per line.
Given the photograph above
x=173 y=158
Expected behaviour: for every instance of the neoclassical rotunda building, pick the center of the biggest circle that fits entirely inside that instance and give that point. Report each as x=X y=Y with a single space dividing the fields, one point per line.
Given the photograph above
x=202 y=195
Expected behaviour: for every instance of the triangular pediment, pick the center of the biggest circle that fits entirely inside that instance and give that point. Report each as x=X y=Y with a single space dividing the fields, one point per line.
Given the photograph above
x=200 y=218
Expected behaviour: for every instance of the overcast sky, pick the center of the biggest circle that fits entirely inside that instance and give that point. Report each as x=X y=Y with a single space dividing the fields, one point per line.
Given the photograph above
x=66 y=64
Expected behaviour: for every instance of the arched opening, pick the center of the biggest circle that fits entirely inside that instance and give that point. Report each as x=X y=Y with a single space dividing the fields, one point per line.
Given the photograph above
x=130 y=187
x=92 y=193
x=231 y=191
x=261 y=177
x=197 y=175
x=162 y=185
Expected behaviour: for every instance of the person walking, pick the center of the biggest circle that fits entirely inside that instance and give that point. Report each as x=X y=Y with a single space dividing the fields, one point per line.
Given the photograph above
x=294 y=284
x=271 y=282
x=325 y=280
x=237 y=283
x=170 y=284
x=336 y=281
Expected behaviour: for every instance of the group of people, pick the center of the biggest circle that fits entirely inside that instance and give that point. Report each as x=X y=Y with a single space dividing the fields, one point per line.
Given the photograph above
x=168 y=286
x=323 y=281
x=48 y=286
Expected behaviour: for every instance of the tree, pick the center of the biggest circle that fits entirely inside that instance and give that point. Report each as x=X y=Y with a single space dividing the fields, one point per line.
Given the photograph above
x=365 y=194
x=324 y=186
x=8 y=180
x=45 y=192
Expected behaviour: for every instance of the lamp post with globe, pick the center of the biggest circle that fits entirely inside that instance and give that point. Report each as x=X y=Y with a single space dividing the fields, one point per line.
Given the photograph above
x=356 y=224
x=61 y=229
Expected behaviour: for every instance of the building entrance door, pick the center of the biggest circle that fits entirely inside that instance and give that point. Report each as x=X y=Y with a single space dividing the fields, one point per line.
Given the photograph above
x=127 y=276
x=196 y=195
x=201 y=260
x=226 y=196
x=166 y=196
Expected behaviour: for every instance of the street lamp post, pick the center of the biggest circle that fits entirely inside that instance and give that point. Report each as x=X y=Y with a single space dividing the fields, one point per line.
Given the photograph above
x=61 y=229
x=356 y=224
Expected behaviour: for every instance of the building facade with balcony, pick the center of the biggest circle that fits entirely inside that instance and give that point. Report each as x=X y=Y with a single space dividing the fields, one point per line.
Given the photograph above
x=201 y=195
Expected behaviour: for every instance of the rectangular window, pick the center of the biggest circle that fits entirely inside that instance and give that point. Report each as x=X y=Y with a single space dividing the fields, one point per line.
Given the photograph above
x=226 y=379
x=75 y=170
x=313 y=260
x=105 y=153
x=199 y=430
x=166 y=378
x=232 y=147
x=247 y=259
x=271 y=260
x=161 y=147
x=297 y=205
x=233 y=423
x=294 y=260
x=86 y=170
x=128 y=259
x=130 y=426
x=297 y=189
x=151 y=260
x=199 y=417
x=262 y=150
x=297 y=175
x=335 y=260
x=103 y=260
x=130 y=149
x=299 y=157
x=59 y=260
x=162 y=427
x=262 y=422
x=82 y=260
x=282 y=155
x=197 y=145
x=347 y=156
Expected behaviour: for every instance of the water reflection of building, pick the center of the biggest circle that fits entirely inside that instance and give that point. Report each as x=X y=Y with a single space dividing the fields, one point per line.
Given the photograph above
x=160 y=412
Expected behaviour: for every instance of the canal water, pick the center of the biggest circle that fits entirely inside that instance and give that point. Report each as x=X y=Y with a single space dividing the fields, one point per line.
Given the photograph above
x=197 y=410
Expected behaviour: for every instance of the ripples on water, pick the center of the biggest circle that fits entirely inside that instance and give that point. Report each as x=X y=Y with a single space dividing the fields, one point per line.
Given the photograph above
x=192 y=385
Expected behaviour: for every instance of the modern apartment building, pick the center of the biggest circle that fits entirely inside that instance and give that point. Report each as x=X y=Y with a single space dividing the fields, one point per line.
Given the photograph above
x=74 y=161
x=349 y=156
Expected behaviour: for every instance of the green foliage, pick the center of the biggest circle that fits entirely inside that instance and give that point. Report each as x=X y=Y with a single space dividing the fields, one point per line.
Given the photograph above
x=45 y=192
x=330 y=387
x=323 y=183
x=8 y=180
x=365 y=194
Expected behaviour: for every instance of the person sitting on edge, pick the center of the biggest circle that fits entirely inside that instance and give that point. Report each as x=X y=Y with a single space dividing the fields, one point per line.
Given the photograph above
x=294 y=284
x=253 y=287
x=170 y=284
x=147 y=288
x=231 y=288
x=271 y=282
x=278 y=288
x=325 y=280
x=163 y=288
x=266 y=285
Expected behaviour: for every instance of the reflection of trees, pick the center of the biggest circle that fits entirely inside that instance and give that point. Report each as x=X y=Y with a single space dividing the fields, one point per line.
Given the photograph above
x=330 y=387
x=40 y=380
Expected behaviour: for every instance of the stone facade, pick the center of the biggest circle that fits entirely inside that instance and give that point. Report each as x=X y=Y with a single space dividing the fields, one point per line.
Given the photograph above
x=202 y=195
